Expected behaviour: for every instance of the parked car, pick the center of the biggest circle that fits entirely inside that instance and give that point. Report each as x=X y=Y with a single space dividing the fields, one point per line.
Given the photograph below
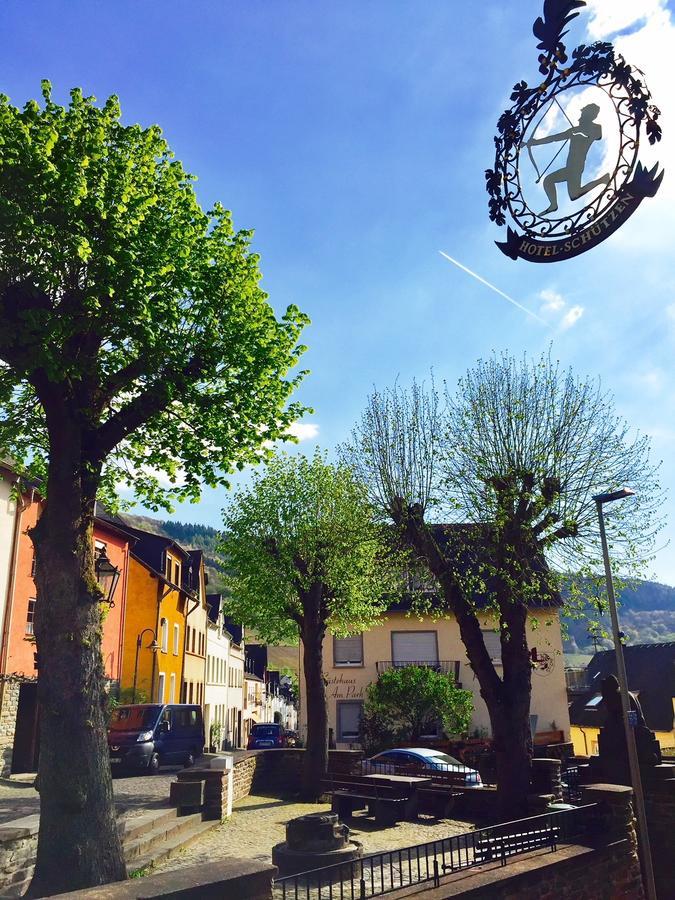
x=266 y=734
x=422 y=759
x=145 y=736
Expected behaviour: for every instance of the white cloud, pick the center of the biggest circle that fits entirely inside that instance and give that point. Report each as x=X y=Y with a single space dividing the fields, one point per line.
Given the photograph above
x=610 y=16
x=643 y=32
x=651 y=380
x=571 y=317
x=554 y=308
x=670 y=312
x=304 y=431
x=552 y=300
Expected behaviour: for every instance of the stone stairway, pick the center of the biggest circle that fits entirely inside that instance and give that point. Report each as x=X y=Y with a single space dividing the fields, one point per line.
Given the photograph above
x=147 y=839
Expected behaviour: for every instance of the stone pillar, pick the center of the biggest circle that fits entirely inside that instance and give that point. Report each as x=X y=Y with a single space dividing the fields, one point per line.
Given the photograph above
x=9 y=705
x=215 y=790
x=225 y=764
x=616 y=820
x=545 y=777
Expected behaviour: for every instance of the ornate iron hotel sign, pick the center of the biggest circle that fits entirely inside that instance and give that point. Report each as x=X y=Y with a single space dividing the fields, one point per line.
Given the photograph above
x=599 y=168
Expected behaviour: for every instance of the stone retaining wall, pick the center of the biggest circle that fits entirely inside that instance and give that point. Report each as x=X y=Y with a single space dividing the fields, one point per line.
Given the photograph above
x=9 y=704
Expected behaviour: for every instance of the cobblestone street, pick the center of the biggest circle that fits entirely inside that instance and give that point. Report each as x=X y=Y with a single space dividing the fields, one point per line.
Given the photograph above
x=259 y=822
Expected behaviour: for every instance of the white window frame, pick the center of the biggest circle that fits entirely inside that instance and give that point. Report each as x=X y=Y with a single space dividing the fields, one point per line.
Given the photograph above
x=176 y=639
x=172 y=687
x=493 y=645
x=161 y=686
x=350 y=663
x=164 y=627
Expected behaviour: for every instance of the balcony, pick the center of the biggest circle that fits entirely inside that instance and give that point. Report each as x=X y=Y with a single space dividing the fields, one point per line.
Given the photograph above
x=444 y=666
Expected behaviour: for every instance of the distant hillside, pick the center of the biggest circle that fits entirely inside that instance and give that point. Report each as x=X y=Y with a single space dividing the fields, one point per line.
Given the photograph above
x=647 y=610
x=191 y=537
x=646 y=613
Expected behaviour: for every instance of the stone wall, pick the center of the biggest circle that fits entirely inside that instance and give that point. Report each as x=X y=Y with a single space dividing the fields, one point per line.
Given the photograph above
x=659 y=785
x=18 y=848
x=281 y=770
x=245 y=879
x=9 y=704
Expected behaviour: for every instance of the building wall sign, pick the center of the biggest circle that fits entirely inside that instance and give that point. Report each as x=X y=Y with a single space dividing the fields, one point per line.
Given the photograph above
x=566 y=170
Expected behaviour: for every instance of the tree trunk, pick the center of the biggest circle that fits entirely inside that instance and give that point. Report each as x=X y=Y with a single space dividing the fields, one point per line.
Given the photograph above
x=507 y=698
x=78 y=841
x=316 y=753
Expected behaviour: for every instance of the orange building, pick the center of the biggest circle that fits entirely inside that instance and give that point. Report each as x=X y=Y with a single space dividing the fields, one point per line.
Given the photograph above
x=18 y=645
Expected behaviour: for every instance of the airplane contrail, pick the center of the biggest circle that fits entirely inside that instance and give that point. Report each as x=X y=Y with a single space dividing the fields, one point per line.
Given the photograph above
x=493 y=288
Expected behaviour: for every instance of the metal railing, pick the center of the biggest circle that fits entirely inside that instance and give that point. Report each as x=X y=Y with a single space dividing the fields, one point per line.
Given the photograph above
x=380 y=873
x=571 y=785
x=444 y=666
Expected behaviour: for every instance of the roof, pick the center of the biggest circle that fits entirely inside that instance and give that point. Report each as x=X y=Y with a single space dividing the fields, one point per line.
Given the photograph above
x=150 y=548
x=256 y=659
x=651 y=675
x=237 y=631
x=452 y=539
x=213 y=606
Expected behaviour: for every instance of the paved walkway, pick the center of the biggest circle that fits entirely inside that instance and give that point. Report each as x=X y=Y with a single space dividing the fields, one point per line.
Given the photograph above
x=133 y=795
x=258 y=822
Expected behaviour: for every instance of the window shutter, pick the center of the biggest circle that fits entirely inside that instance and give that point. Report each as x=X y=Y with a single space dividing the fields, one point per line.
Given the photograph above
x=348 y=651
x=414 y=646
x=493 y=644
x=350 y=720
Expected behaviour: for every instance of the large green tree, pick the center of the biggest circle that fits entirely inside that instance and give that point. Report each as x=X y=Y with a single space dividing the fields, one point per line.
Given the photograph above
x=307 y=556
x=491 y=489
x=137 y=348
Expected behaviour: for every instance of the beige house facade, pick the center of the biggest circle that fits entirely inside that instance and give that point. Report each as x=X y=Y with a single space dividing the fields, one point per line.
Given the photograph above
x=351 y=664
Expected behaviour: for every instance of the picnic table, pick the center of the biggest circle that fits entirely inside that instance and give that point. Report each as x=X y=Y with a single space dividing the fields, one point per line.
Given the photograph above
x=389 y=798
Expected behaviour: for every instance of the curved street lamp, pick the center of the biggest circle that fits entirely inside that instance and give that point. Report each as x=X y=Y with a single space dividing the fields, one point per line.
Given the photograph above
x=153 y=646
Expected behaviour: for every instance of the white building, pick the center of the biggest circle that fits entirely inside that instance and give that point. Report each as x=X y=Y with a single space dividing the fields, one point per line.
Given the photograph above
x=233 y=734
x=216 y=690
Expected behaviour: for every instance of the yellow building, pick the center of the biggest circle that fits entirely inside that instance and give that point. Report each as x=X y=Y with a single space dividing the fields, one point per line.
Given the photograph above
x=351 y=664
x=196 y=618
x=651 y=677
x=154 y=626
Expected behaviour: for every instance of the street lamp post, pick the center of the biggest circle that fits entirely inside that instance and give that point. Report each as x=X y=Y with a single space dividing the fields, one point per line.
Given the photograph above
x=636 y=778
x=153 y=646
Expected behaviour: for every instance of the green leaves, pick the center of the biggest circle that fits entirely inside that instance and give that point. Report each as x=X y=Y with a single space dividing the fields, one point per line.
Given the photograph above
x=410 y=698
x=304 y=522
x=139 y=308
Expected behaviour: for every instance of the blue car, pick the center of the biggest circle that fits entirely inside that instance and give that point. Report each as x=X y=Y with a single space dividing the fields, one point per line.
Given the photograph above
x=144 y=736
x=421 y=760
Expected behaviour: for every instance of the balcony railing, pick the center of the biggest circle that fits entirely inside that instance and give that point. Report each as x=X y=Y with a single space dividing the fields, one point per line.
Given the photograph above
x=444 y=666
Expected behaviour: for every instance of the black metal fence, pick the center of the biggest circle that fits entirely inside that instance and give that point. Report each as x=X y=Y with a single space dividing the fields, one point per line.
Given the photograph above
x=571 y=785
x=380 y=873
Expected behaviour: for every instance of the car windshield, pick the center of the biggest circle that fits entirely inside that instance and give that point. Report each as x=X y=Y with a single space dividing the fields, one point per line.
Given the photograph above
x=134 y=718
x=265 y=731
x=445 y=760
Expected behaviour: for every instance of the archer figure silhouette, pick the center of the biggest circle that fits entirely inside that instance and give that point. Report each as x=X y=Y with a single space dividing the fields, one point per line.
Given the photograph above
x=581 y=137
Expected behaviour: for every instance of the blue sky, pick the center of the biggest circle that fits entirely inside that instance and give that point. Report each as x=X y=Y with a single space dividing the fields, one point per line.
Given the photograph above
x=353 y=137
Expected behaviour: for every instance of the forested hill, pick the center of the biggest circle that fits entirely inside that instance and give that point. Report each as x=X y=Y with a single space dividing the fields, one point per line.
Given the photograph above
x=190 y=536
x=647 y=610
x=647 y=614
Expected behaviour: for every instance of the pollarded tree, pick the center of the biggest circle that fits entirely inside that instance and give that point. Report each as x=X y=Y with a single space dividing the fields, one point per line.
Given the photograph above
x=135 y=343
x=511 y=461
x=307 y=556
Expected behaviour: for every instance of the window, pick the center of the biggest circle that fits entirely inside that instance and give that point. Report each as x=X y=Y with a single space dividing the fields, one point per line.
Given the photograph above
x=169 y=563
x=176 y=573
x=348 y=721
x=493 y=645
x=160 y=687
x=30 y=617
x=172 y=688
x=164 y=627
x=414 y=646
x=176 y=640
x=193 y=639
x=348 y=651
